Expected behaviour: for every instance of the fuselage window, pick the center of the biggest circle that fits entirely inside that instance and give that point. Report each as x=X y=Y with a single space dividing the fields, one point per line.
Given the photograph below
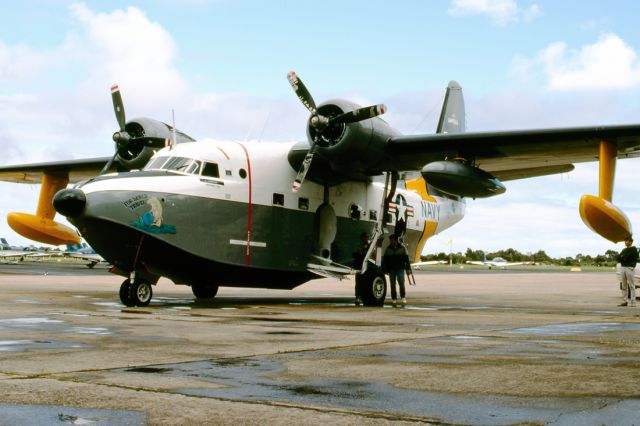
x=211 y=170
x=278 y=199
x=303 y=203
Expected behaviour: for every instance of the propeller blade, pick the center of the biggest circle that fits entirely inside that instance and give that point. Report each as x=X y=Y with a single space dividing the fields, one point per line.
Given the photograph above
x=302 y=92
x=118 y=106
x=109 y=163
x=359 y=114
x=306 y=164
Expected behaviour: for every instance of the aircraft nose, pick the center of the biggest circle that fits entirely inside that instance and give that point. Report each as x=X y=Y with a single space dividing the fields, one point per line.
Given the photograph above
x=69 y=202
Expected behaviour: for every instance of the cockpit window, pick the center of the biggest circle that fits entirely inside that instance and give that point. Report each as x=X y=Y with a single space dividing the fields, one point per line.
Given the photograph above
x=194 y=168
x=211 y=170
x=155 y=163
x=178 y=164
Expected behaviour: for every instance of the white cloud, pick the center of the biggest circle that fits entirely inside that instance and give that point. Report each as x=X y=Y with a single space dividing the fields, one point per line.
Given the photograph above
x=609 y=63
x=20 y=62
x=128 y=48
x=501 y=12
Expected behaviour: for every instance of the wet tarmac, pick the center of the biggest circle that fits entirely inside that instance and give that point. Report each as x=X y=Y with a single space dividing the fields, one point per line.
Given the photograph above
x=42 y=415
x=484 y=349
x=247 y=379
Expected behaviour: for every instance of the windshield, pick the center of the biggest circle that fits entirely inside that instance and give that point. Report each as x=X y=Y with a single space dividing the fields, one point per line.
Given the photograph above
x=178 y=164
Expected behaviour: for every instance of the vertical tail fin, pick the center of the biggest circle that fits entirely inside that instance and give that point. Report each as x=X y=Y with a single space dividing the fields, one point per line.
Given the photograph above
x=452 y=117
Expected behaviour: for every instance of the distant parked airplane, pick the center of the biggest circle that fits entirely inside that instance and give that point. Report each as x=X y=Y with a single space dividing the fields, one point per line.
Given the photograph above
x=420 y=265
x=498 y=262
x=78 y=251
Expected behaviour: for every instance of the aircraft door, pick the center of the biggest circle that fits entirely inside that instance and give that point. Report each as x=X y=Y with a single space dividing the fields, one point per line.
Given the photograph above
x=325 y=229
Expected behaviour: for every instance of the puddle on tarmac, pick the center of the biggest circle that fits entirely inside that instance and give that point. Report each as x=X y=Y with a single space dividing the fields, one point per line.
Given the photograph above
x=25 y=345
x=148 y=370
x=30 y=302
x=28 y=322
x=70 y=314
x=463 y=349
x=45 y=324
x=45 y=415
x=110 y=304
x=172 y=300
x=572 y=329
x=250 y=379
x=90 y=330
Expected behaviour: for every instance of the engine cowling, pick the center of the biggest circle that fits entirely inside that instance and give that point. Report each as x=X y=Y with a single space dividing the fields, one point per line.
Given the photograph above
x=461 y=179
x=344 y=150
x=141 y=138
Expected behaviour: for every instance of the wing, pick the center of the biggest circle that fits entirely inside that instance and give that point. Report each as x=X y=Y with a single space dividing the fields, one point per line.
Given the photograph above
x=77 y=170
x=514 y=154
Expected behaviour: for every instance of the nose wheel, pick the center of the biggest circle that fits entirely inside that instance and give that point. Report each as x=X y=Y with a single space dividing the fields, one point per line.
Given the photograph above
x=138 y=293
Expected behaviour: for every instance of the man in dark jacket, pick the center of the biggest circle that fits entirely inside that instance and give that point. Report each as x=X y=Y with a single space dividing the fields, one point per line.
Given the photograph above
x=394 y=262
x=628 y=258
x=358 y=260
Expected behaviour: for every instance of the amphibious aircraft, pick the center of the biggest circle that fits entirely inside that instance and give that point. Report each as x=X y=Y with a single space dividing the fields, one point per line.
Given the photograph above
x=209 y=214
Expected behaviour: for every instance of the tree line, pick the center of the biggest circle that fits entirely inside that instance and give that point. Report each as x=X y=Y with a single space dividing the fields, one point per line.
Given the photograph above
x=513 y=255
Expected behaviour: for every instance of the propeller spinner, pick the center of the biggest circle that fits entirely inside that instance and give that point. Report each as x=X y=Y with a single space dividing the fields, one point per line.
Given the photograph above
x=321 y=123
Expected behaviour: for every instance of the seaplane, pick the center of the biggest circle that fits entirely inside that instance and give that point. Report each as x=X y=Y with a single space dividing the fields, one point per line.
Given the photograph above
x=208 y=214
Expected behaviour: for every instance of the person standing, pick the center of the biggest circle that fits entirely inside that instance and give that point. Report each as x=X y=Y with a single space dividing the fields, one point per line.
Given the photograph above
x=358 y=260
x=394 y=262
x=628 y=258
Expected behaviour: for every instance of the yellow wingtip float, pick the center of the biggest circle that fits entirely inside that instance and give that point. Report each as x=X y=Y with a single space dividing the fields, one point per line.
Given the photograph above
x=599 y=213
x=41 y=227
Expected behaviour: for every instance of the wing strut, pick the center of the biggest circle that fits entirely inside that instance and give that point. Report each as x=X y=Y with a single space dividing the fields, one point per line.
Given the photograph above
x=599 y=213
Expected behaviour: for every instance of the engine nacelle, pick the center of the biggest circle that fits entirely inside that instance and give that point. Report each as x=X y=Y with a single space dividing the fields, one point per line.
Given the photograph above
x=344 y=151
x=145 y=137
x=458 y=178
x=361 y=142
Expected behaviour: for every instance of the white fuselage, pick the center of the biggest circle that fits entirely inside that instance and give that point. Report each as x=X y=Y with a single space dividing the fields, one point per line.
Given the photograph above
x=232 y=203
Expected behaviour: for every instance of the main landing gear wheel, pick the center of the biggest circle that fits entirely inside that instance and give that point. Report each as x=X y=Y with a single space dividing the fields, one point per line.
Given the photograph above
x=125 y=289
x=204 y=291
x=373 y=288
x=137 y=294
x=141 y=293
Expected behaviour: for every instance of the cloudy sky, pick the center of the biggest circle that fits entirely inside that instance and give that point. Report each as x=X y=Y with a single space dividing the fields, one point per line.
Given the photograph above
x=222 y=66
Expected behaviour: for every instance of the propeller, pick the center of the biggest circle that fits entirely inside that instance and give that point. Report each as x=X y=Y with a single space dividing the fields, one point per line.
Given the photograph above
x=321 y=123
x=121 y=137
x=130 y=139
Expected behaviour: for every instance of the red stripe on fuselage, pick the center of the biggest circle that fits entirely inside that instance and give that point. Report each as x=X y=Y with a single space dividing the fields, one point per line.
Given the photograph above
x=246 y=153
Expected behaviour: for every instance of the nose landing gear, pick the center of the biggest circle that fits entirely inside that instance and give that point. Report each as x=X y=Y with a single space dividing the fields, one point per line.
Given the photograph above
x=138 y=293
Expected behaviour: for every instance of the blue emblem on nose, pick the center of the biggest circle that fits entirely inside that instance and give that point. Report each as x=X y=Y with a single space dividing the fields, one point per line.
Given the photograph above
x=151 y=221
